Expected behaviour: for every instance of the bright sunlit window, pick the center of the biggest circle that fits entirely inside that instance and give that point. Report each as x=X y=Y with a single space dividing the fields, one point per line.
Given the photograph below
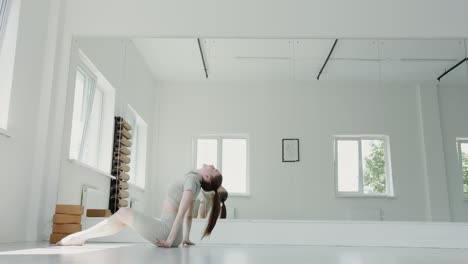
x=9 y=16
x=462 y=145
x=362 y=166
x=4 y=12
x=138 y=149
x=230 y=155
x=92 y=112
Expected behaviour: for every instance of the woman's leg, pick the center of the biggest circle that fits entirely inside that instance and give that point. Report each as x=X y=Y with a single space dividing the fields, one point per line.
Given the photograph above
x=151 y=229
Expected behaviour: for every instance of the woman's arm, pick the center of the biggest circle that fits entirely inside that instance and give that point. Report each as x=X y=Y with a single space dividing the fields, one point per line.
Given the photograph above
x=185 y=203
x=188 y=225
x=202 y=209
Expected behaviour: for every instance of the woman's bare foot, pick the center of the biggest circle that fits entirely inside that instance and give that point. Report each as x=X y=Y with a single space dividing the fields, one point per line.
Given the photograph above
x=71 y=240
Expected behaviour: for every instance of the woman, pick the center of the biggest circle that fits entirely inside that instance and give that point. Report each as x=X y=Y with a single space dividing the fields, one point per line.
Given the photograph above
x=166 y=231
x=206 y=202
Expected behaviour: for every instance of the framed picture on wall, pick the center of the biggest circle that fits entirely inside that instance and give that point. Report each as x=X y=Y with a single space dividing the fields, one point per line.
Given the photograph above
x=290 y=150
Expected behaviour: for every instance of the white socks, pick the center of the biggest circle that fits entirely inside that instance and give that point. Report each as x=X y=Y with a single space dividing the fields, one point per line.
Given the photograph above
x=106 y=227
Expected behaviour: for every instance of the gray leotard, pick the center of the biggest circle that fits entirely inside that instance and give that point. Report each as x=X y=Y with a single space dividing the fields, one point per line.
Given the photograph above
x=191 y=182
x=153 y=228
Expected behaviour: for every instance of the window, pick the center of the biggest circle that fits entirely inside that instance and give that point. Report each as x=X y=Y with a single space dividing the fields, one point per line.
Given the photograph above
x=86 y=117
x=9 y=16
x=462 y=145
x=229 y=154
x=4 y=10
x=362 y=166
x=93 y=106
x=137 y=164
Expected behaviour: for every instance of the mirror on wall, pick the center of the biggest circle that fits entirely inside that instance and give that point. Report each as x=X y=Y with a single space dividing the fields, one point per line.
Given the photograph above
x=306 y=129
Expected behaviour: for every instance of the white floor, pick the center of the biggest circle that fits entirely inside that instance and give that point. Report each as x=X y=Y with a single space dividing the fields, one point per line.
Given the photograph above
x=112 y=253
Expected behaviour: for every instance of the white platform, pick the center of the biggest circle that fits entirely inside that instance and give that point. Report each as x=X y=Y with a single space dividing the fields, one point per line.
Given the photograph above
x=320 y=233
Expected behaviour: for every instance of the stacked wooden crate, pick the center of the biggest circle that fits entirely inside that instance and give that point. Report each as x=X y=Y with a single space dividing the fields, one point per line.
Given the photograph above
x=98 y=213
x=67 y=220
x=120 y=164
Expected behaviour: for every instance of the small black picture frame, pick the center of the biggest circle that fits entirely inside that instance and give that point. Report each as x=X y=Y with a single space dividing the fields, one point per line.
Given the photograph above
x=290 y=149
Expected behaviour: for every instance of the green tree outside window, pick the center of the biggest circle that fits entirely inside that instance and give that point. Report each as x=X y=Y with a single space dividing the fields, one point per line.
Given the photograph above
x=374 y=173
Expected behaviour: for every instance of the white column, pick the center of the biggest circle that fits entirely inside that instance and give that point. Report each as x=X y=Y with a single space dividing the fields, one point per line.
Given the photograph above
x=433 y=156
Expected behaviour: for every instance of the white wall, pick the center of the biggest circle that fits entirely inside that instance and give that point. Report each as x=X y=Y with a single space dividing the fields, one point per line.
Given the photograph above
x=453 y=108
x=311 y=112
x=17 y=154
x=121 y=64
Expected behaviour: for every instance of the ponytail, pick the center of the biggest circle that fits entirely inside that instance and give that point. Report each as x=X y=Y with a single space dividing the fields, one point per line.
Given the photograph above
x=223 y=211
x=214 y=184
x=223 y=195
x=215 y=210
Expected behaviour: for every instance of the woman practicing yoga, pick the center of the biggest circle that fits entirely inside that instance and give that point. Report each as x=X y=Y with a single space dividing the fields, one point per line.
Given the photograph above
x=206 y=203
x=166 y=231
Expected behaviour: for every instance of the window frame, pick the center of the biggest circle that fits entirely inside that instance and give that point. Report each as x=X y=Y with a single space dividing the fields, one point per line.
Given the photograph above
x=81 y=63
x=4 y=14
x=9 y=21
x=461 y=141
x=219 y=138
x=389 y=190
x=84 y=68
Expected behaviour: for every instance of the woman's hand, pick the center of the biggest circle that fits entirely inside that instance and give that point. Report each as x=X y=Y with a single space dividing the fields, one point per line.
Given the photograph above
x=187 y=242
x=162 y=243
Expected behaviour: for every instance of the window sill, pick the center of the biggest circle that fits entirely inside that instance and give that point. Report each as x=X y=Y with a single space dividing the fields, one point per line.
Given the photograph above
x=364 y=196
x=4 y=133
x=81 y=164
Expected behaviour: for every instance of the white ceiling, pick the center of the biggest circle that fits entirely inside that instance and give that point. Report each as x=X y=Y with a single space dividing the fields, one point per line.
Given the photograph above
x=301 y=59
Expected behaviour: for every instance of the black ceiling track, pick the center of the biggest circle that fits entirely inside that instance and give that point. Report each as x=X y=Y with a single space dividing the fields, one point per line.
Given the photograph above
x=203 y=58
x=328 y=57
x=451 y=69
